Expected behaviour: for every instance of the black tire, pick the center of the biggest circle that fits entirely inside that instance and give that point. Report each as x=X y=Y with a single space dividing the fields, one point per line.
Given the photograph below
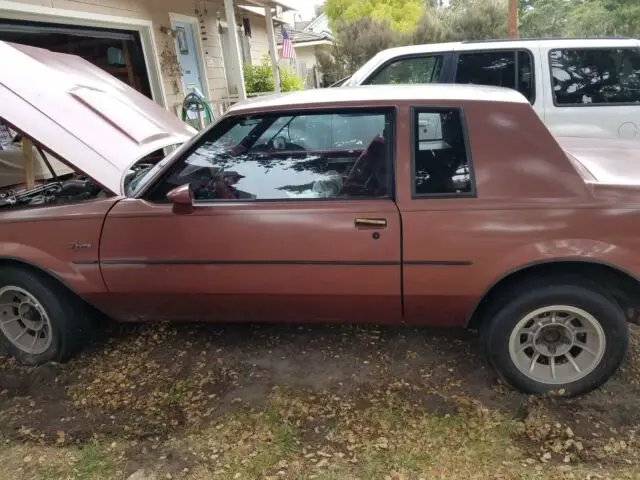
x=67 y=314
x=528 y=297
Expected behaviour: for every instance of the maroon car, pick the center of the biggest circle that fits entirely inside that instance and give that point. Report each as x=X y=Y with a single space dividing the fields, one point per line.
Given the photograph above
x=441 y=205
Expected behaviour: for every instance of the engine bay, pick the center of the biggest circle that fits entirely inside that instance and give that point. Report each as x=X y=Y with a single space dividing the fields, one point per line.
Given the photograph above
x=53 y=183
x=54 y=192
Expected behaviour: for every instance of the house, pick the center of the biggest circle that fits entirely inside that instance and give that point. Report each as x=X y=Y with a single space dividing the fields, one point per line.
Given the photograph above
x=307 y=39
x=163 y=48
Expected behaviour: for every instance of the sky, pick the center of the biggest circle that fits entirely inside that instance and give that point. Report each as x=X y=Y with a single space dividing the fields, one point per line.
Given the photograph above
x=305 y=8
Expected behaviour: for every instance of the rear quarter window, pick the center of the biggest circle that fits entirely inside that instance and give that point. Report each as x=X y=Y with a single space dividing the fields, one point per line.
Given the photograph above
x=595 y=76
x=441 y=157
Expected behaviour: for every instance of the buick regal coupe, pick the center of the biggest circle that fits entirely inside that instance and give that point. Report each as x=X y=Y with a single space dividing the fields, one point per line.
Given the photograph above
x=443 y=205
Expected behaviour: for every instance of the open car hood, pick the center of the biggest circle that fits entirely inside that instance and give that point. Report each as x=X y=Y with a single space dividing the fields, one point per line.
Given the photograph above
x=82 y=114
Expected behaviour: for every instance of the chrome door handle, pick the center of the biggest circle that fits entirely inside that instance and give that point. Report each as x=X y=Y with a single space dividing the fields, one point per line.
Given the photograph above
x=371 y=222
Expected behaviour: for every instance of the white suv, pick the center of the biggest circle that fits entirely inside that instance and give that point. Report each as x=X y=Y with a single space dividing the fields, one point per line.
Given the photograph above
x=579 y=87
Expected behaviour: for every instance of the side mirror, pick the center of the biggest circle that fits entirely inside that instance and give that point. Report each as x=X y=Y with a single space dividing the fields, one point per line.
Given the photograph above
x=182 y=198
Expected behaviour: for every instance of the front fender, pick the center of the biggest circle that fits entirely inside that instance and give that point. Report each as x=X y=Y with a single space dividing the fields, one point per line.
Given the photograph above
x=62 y=240
x=83 y=278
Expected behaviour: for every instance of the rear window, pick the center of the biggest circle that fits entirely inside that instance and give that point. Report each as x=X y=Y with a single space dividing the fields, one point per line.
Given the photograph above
x=595 y=76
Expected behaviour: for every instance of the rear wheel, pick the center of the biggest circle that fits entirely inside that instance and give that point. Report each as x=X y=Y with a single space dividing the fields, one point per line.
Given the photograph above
x=40 y=321
x=568 y=338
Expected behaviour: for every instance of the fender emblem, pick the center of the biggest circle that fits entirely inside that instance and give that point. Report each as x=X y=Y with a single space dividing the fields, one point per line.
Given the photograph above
x=79 y=245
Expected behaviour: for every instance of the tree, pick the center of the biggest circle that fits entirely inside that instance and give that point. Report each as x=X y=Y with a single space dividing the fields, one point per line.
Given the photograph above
x=364 y=27
x=477 y=20
x=402 y=15
x=544 y=18
x=355 y=43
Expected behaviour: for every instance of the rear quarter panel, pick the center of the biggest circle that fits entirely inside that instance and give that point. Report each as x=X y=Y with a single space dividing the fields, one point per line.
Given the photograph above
x=531 y=205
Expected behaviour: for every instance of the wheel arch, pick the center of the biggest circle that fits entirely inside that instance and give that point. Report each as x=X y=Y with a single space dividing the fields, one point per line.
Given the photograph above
x=621 y=284
x=9 y=261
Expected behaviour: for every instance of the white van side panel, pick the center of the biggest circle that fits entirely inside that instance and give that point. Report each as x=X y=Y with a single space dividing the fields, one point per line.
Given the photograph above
x=597 y=121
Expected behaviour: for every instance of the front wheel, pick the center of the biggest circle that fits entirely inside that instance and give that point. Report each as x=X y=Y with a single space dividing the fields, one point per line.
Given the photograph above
x=557 y=338
x=40 y=321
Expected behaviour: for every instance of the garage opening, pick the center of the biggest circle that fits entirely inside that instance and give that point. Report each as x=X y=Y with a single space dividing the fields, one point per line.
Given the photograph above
x=118 y=52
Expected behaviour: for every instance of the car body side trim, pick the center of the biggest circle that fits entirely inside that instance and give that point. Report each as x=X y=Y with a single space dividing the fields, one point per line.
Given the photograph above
x=180 y=261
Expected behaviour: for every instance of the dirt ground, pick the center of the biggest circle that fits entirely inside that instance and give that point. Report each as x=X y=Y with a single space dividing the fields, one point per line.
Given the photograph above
x=281 y=401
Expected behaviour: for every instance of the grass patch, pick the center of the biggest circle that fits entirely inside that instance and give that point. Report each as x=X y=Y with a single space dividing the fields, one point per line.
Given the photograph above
x=37 y=462
x=94 y=463
x=177 y=392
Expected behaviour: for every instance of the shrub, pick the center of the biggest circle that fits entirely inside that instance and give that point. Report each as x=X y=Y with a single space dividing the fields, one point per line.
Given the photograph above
x=259 y=78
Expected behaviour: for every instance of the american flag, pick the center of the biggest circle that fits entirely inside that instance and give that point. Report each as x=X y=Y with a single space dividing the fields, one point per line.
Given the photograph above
x=287 y=46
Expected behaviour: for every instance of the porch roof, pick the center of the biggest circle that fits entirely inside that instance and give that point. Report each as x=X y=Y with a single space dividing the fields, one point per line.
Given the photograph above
x=267 y=3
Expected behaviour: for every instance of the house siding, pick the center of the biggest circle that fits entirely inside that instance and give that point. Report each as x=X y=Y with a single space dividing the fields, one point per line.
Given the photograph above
x=157 y=11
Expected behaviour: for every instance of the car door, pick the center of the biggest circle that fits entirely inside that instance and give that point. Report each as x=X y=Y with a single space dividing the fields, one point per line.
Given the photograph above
x=283 y=226
x=592 y=91
x=436 y=199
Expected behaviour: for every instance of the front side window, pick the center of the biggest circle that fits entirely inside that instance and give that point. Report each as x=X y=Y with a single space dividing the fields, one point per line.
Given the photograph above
x=595 y=76
x=289 y=156
x=440 y=156
x=410 y=70
x=508 y=68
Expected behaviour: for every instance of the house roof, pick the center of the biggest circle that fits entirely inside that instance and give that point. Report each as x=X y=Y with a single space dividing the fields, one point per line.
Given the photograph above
x=301 y=25
x=268 y=3
x=320 y=24
x=258 y=11
x=298 y=36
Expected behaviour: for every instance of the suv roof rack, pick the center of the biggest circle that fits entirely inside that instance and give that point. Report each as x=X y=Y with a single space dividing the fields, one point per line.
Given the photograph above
x=612 y=37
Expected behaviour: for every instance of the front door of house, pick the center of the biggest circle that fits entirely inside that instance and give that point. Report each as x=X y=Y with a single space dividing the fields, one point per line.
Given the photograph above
x=188 y=57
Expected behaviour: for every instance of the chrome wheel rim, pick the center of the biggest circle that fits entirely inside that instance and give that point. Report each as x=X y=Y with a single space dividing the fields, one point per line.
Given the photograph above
x=557 y=344
x=24 y=321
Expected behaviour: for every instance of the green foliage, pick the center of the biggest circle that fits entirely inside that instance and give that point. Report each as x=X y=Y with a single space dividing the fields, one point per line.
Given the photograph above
x=402 y=15
x=545 y=18
x=259 y=78
x=364 y=27
x=289 y=80
x=475 y=20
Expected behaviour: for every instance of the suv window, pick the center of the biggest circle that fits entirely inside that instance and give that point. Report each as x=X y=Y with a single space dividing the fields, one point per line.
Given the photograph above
x=410 y=70
x=441 y=164
x=506 y=68
x=289 y=156
x=595 y=76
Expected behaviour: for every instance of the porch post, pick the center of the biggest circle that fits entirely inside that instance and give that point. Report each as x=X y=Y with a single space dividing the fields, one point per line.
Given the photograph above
x=273 y=49
x=235 y=47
